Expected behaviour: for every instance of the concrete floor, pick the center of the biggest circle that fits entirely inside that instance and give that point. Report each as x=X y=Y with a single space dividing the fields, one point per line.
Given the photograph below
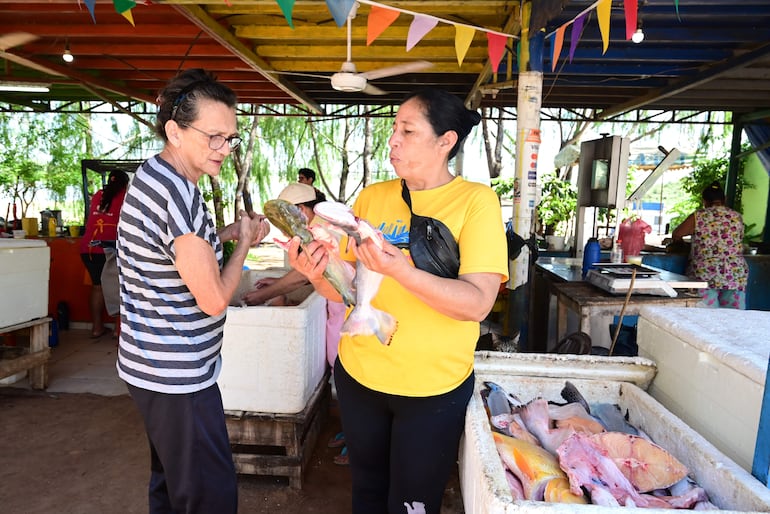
x=79 y=364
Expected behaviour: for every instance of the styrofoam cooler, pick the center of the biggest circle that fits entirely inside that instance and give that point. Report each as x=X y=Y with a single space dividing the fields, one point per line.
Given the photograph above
x=273 y=357
x=712 y=365
x=482 y=477
x=24 y=272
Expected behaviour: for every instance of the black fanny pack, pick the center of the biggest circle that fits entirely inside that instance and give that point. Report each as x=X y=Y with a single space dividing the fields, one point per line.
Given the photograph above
x=431 y=244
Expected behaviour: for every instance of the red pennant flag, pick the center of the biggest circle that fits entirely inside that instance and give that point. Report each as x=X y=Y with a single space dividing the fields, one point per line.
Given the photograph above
x=379 y=19
x=558 y=41
x=496 y=49
x=630 y=8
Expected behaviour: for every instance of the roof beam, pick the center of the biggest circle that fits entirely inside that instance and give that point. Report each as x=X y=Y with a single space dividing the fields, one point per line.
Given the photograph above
x=682 y=85
x=200 y=18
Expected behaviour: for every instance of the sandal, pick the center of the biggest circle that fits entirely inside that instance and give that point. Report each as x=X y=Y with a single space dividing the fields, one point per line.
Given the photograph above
x=338 y=441
x=97 y=335
x=343 y=459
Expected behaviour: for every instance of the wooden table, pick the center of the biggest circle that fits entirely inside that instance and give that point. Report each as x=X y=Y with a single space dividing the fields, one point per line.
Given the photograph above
x=36 y=361
x=596 y=308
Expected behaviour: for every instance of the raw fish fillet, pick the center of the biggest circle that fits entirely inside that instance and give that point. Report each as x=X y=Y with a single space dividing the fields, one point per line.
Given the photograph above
x=364 y=319
x=533 y=466
x=645 y=464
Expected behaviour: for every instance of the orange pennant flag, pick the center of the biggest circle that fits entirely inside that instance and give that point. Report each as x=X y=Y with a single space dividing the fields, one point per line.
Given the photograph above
x=379 y=19
x=495 y=49
x=558 y=41
x=603 y=15
x=463 y=39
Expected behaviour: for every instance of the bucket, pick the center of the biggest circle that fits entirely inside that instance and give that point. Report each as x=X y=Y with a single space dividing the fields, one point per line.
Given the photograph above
x=30 y=226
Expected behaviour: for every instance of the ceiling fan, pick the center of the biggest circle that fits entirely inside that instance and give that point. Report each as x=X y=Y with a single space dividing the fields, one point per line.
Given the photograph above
x=349 y=80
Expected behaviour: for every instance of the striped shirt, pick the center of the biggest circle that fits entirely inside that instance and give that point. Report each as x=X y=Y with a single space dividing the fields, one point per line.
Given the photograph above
x=167 y=343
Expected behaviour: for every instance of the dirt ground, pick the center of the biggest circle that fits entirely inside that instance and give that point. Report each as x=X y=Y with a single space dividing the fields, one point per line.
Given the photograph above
x=87 y=454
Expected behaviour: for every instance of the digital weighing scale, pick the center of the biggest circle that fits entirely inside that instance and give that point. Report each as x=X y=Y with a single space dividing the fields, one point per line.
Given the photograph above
x=616 y=279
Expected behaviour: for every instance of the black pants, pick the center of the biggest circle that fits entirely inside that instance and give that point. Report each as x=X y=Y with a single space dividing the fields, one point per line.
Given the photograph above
x=402 y=449
x=191 y=464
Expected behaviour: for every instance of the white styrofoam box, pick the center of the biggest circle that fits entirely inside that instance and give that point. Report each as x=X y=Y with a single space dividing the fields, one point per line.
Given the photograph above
x=711 y=371
x=24 y=271
x=637 y=370
x=482 y=477
x=273 y=357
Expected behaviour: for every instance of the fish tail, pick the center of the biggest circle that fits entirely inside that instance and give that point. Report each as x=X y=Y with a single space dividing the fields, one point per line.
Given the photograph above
x=370 y=322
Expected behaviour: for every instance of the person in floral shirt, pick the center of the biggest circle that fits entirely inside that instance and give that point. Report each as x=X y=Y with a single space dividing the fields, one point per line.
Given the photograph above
x=716 y=253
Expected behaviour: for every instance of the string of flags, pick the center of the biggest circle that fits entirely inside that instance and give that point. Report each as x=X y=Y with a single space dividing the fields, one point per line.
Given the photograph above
x=381 y=16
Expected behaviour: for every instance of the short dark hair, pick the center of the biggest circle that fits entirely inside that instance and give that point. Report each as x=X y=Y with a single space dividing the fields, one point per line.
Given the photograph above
x=445 y=112
x=178 y=101
x=307 y=173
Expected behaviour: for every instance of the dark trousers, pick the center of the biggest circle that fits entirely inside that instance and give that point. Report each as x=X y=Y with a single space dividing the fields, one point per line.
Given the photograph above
x=191 y=463
x=402 y=449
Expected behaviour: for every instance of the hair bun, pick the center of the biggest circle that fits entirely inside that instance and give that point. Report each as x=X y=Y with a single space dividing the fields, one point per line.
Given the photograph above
x=474 y=117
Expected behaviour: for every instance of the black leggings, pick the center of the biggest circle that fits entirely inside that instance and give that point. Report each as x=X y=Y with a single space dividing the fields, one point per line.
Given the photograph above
x=402 y=449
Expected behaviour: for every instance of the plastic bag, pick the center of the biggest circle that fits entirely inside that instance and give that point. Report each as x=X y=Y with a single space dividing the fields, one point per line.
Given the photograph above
x=631 y=235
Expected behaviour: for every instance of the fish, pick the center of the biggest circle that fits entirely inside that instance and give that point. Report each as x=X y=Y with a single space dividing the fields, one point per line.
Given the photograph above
x=496 y=400
x=587 y=465
x=557 y=490
x=645 y=464
x=571 y=394
x=364 y=319
x=613 y=420
x=532 y=465
x=538 y=423
x=288 y=218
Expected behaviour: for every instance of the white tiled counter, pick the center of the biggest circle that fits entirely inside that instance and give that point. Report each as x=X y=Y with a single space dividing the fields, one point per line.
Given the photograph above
x=711 y=371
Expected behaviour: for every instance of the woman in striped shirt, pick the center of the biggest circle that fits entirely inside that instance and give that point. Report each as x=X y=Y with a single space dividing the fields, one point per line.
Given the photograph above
x=174 y=293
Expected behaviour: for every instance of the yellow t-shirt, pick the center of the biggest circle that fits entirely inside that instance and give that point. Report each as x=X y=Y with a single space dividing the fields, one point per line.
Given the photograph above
x=429 y=353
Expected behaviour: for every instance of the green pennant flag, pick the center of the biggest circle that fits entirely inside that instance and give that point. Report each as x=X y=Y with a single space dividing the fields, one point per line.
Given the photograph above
x=122 y=6
x=287 y=7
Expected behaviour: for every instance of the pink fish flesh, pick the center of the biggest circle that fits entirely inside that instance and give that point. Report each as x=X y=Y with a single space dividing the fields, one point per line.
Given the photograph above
x=364 y=319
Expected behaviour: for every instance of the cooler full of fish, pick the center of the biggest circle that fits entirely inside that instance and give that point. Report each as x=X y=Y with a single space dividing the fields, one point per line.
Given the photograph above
x=711 y=371
x=273 y=357
x=24 y=272
x=642 y=455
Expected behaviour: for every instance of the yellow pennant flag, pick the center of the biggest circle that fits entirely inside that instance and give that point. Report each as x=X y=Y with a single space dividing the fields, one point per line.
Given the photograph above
x=130 y=17
x=603 y=15
x=463 y=39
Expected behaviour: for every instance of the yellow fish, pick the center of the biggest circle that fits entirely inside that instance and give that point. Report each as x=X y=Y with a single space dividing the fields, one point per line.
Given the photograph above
x=533 y=466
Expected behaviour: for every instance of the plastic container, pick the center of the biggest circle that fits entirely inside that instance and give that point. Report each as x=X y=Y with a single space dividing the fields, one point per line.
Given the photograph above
x=273 y=358
x=24 y=270
x=711 y=371
x=482 y=478
x=51 y=227
x=591 y=255
x=616 y=255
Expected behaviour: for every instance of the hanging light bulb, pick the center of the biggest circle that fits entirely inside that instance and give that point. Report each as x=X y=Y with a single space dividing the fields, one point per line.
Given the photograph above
x=638 y=35
x=67 y=55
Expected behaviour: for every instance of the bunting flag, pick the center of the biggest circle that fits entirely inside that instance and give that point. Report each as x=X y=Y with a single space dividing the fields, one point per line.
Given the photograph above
x=340 y=10
x=91 y=4
x=496 y=49
x=420 y=26
x=558 y=41
x=287 y=8
x=603 y=16
x=379 y=19
x=630 y=8
x=121 y=6
x=130 y=17
x=676 y=6
x=574 y=37
x=463 y=39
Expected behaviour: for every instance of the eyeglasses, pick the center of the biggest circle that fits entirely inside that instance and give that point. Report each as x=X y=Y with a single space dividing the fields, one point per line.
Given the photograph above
x=217 y=141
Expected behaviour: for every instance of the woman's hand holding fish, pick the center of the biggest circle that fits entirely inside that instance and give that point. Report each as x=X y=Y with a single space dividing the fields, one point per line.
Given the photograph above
x=381 y=256
x=310 y=261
